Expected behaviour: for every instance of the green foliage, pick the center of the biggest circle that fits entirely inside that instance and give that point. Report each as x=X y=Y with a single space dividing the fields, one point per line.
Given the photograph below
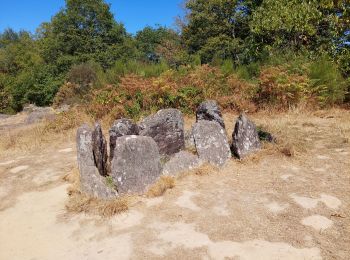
x=215 y=28
x=261 y=53
x=149 y=39
x=249 y=71
x=84 y=30
x=227 y=67
x=327 y=82
x=316 y=25
x=140 y=68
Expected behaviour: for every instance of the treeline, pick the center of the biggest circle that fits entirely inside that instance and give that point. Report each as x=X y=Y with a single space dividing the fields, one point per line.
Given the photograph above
x=83 y=48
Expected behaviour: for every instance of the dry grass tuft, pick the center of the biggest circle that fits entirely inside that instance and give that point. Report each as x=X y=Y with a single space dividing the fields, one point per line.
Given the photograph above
x=287 y=149
x=205 y=169
x=31 y=138
x=81 y=203
x=72 y=177
x=163 y=184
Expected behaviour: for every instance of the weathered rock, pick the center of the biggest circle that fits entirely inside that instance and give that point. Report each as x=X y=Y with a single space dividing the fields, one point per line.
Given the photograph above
x=99 y=147
x=121 y=127
x=62 y=108
x=92 y=183
x=38 y=114
x=136 y=164
x=189 y=141
x=166 y=127
x=245 y=138
x=209 y=110
x=181 y=162
x=211 y=142
x=266 y=136
x=4 y=116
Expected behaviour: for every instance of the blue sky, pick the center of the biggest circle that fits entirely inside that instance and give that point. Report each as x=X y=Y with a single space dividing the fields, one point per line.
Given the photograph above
x=135 y=14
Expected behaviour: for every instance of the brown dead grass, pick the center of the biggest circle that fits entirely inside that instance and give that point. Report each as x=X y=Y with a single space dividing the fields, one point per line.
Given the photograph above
x=31 y=138
x=204 y=169
x=81 y=203
x=27 y=138
x=161 y=186
x=72 y=177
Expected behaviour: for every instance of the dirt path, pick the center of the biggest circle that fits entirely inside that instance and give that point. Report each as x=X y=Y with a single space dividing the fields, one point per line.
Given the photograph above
x=267 y=207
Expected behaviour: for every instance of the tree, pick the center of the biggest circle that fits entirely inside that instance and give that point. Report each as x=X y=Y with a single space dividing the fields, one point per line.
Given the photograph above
x=149 y=38
x=212 y=22
x=314 y=25
x=24 y=77
x=84 y=30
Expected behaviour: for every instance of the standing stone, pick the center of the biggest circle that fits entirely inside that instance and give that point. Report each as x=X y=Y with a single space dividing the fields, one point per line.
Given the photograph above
x=209 y=110
x=91 y=181
x=245 y=138
x=136 y=164
x=99 y=147
x=211 y=142
x=121 y=127
x=166 y=127
x=181 y=162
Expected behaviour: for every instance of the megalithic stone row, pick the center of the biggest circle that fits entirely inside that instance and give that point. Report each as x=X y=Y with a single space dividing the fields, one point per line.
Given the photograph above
x=121 y=127
x=245 y=137
x=211 y=142
x=99 y=147
x=136 y=164
x=210 y=110
x=166 y=127
x=92 y=183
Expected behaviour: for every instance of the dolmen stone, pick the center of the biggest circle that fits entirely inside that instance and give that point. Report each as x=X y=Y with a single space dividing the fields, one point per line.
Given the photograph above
x=211 y=142
x=210 y=110
x=166 y=127
x=92 y=183
x=136 y=164
x=99 y=147
x=181 y=162
x=245 y=138
x=121 y=127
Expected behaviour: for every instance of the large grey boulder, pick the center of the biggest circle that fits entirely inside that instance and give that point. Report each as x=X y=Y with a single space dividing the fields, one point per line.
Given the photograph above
x=136 y=164
x=210 y=110
x=92 y=183
x=121 y=127
x=181 y=162
x=211 y=142
x=166 y=127
x=99 y=147
x=245 y=137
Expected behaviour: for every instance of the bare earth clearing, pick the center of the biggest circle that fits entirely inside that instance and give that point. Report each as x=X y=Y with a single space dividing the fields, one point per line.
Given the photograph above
x=269 y=206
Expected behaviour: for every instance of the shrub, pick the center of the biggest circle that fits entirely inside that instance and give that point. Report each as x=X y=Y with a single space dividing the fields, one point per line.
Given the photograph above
x=248 y=72
x=67 y=94
x=84 y=75
x=227 y=67
x=327 y=82
x=279 y=89
x=144 y=69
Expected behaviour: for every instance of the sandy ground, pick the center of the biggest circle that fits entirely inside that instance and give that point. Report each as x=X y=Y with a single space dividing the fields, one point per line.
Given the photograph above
x=268 y=206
